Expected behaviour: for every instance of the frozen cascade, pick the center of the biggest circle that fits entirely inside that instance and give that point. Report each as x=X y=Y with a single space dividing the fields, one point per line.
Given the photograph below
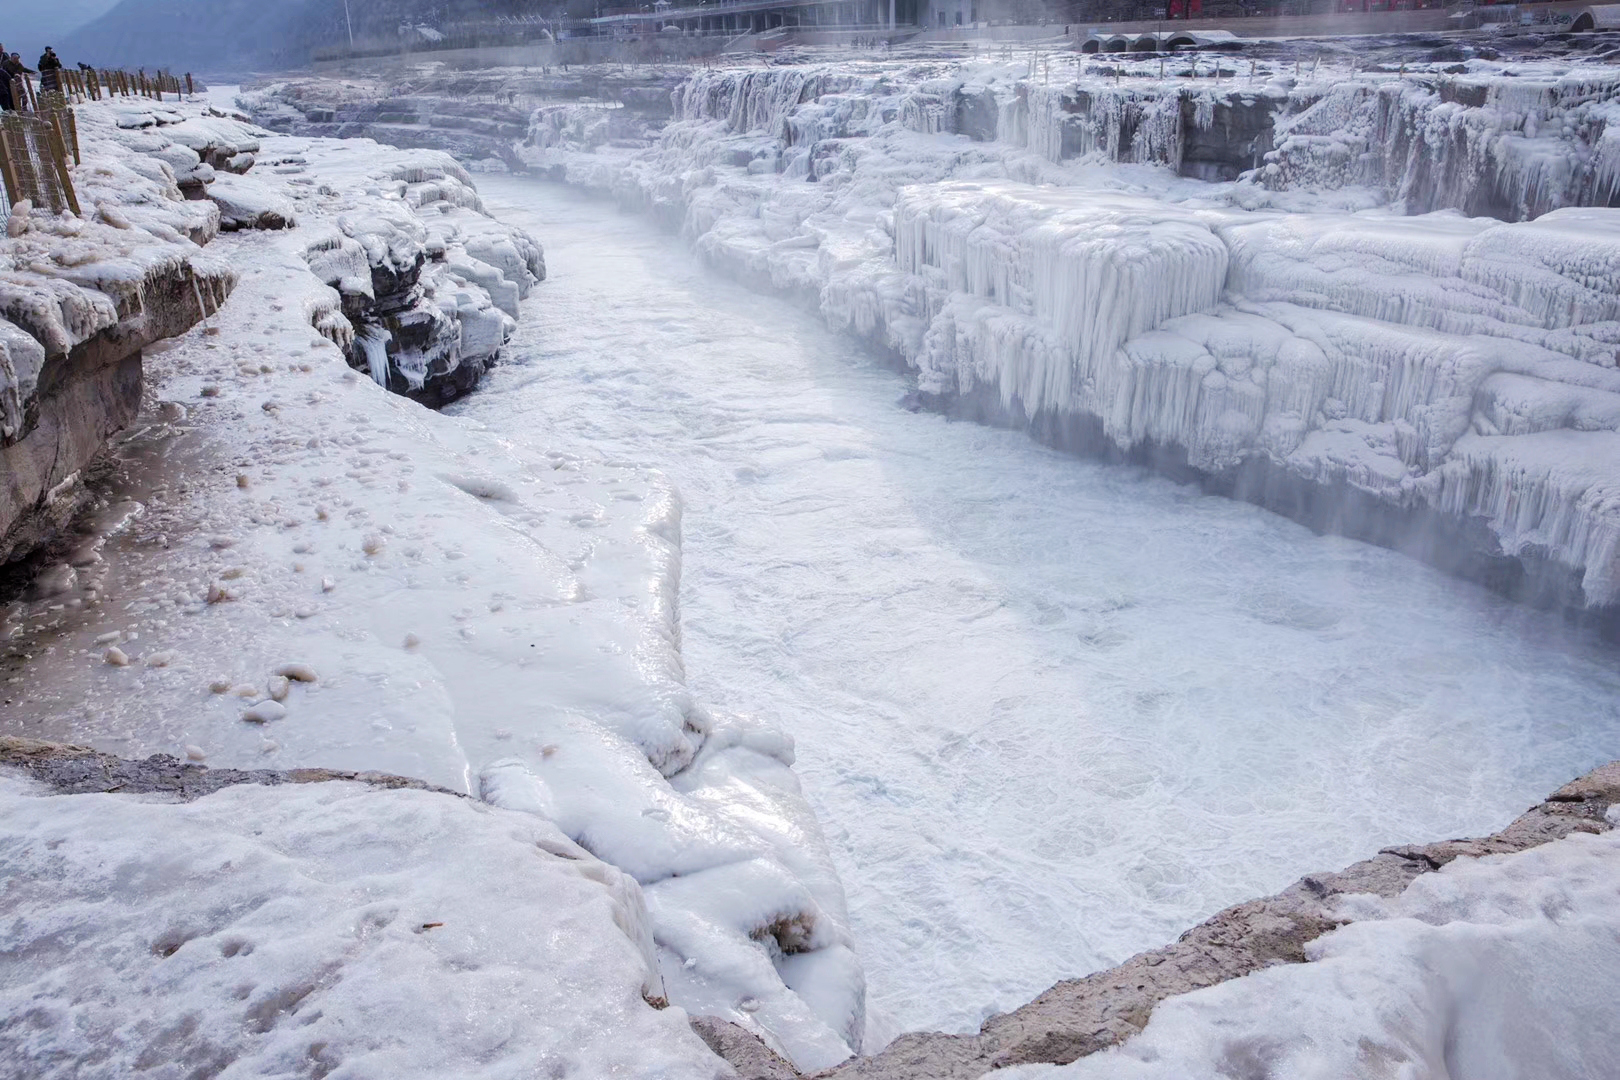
x=374 y=342
x=1032 y=296
x=1048 y=712
x=1511 y=148
x=1357 y=350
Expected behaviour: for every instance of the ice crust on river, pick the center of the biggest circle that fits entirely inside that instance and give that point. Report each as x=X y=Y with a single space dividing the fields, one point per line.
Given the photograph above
x=483 y=610
x=984 y=225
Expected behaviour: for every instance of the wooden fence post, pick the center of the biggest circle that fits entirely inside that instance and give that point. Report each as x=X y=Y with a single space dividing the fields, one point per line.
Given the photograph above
x=59 y=155
x=8 y=173
x=189 y=90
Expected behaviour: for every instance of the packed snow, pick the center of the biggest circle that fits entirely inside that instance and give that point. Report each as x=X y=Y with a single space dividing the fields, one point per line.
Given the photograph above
x=321 y=929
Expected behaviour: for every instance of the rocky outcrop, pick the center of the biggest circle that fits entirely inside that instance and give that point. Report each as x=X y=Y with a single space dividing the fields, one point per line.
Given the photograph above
x=81 y=300
x=1082 y=1016
x=743 y=1050
x=79 y=770
x=481 y=117
x=470 y=129
x=429 y=283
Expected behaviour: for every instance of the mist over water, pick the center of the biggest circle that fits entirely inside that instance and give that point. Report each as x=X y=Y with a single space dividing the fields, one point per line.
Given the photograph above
x=1049 y=712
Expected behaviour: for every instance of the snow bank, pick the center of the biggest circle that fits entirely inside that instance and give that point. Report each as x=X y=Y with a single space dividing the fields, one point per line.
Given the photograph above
x=331 y=927
x=1501 y=966
x=496 y=616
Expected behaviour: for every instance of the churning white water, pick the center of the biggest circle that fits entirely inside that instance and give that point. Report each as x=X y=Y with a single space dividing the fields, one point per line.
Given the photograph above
x=1049 y=712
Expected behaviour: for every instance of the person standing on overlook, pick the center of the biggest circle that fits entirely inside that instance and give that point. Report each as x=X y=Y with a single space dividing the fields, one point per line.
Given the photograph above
x=5 y=83
x=11 y=67
x=49 y=67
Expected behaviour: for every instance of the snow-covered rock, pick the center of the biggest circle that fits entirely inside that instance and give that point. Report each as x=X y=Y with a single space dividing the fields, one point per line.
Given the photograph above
x=1494 y=967
x=445 y=276
x=79 y=299
x=248 y=204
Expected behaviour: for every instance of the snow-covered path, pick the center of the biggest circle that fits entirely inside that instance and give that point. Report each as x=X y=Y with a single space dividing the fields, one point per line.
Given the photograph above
x=1049 y=712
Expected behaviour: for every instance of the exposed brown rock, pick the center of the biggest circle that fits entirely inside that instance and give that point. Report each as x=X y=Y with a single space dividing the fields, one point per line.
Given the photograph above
x=742 y=1050
x=79 y=770
x=1082 y=1016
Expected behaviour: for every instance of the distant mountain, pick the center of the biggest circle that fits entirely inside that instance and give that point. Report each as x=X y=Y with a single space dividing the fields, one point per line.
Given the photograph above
x=28 y=27
x=221 y=36
x=200 y=35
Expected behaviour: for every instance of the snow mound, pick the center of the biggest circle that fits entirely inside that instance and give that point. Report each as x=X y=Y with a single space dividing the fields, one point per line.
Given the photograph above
x=248 y=204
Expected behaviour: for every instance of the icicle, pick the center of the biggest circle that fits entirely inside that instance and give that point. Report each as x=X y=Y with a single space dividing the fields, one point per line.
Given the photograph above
x=196 y=290
x=374 y=342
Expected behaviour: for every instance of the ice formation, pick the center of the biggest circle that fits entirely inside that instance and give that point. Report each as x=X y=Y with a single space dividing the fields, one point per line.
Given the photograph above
x=1279 y=333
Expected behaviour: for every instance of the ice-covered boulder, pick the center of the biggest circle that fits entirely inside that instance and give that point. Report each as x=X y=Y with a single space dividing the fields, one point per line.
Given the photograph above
x=428 y=280
x=248 y=204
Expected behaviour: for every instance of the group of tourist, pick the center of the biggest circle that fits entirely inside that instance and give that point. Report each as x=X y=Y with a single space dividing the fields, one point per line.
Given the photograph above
x=12 y=67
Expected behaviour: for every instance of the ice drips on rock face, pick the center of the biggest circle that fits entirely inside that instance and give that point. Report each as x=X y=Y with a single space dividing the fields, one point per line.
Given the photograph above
x=1457 y=364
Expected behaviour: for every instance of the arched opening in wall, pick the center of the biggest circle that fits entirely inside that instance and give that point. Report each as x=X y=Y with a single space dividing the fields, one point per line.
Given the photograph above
x=1146 y=43
x=1117 y=44
x=1181 y=41
x=1583 y=21
x=1090 y=45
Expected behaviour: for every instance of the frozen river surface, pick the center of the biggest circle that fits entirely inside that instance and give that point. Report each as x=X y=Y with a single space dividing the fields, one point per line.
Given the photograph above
x=1049 y=712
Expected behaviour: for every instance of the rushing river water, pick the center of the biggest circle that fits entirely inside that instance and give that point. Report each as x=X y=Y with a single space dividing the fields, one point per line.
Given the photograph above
x=1050 y=712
